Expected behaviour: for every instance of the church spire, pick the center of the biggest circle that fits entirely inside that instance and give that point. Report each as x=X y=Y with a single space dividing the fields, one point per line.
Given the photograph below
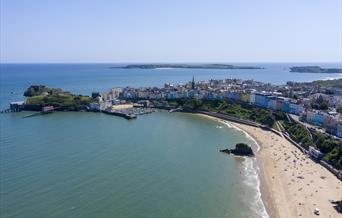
x=193 y=82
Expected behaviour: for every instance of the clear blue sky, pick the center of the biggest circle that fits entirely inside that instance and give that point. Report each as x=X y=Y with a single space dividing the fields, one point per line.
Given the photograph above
x=171 y=31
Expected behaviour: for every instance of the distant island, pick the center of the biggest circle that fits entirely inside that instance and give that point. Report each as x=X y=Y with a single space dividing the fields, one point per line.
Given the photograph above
x=315 y=69
x=187 y=66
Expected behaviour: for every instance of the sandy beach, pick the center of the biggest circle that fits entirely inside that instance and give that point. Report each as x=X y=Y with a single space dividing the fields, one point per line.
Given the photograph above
x=292 y=185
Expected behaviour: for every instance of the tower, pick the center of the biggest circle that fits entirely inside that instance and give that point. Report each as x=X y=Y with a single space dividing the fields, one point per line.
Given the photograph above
x=193 y=82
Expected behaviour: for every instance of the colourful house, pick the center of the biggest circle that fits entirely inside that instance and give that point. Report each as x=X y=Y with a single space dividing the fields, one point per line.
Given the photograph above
x=261 y=99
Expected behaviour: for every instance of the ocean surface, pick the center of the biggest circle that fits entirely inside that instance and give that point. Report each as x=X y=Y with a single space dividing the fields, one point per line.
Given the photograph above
x=87 y=78
x=95 y=165
x=70 y=164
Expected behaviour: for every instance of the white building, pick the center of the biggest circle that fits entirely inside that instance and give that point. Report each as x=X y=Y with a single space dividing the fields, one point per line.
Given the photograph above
x=94 y=106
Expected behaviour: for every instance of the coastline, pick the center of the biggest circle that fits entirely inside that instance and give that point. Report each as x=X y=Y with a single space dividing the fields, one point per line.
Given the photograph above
x=291 y=184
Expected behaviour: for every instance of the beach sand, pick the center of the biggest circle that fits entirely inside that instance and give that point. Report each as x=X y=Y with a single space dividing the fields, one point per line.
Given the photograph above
x=292 y=185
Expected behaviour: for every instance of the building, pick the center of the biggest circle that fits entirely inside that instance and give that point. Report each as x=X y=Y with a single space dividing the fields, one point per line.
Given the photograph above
x=17 y=106
x=105 y=104
x=315 y=117
x=94 y=95
x=95 y=106
x=48 y=108
x=272 y=103
x=235 y=96
x=331 y=127
x=145 y=103
x=261 y=99
x=295 y=108
x=286 y=106
x=115 y=92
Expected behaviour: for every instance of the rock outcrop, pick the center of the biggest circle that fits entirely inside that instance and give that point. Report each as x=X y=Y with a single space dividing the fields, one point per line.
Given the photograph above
x=240 y=149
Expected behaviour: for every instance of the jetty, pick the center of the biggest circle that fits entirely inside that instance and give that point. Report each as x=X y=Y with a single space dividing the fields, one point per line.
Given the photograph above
x=127 y=116
x=16 y=106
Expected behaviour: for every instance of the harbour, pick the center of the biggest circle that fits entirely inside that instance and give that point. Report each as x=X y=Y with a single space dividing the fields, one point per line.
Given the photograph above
x=92 y=160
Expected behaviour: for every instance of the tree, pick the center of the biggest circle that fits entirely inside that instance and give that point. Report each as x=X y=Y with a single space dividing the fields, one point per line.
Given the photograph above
x=320 y=104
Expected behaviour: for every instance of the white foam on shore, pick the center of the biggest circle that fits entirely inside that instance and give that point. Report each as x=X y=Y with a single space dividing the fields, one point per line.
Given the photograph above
x=232 y=126
x=252 y=181
x=251 y=174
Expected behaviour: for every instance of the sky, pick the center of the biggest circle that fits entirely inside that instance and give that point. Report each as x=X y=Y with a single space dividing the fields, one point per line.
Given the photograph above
x=123 y=31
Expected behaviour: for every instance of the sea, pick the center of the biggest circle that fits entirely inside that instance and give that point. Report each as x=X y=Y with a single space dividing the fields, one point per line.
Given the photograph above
x=84 y=164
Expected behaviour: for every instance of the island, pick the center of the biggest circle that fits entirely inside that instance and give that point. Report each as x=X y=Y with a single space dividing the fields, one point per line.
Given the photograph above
x=40 y=96
x=186 y=66
x=241 y=149
x=314 y=69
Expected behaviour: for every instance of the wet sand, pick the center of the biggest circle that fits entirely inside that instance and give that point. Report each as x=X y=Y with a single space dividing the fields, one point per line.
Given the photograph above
x=292 y=185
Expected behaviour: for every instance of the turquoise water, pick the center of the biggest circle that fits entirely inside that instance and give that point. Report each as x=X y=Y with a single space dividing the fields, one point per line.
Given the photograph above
x=95 y=165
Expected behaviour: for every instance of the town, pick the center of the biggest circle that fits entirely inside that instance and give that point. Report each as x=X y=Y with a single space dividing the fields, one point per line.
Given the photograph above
x=307 y=114
x=312 y=104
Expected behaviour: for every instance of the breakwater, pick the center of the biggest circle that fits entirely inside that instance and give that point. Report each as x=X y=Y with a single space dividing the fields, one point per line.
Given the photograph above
x=127 y=116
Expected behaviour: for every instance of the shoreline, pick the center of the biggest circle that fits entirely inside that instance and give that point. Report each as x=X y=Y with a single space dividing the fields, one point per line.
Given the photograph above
x=291 y=184
x=257 y=167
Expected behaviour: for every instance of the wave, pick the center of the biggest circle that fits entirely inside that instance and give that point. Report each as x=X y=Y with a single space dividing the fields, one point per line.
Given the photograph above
x=251 y=175
x=251 y=178
x=232 y=126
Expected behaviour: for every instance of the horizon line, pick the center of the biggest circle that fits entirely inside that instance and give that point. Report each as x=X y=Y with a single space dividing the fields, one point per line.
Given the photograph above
x=182 y=62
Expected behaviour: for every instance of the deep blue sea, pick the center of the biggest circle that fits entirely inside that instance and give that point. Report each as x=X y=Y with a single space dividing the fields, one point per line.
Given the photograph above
x=86 y=78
